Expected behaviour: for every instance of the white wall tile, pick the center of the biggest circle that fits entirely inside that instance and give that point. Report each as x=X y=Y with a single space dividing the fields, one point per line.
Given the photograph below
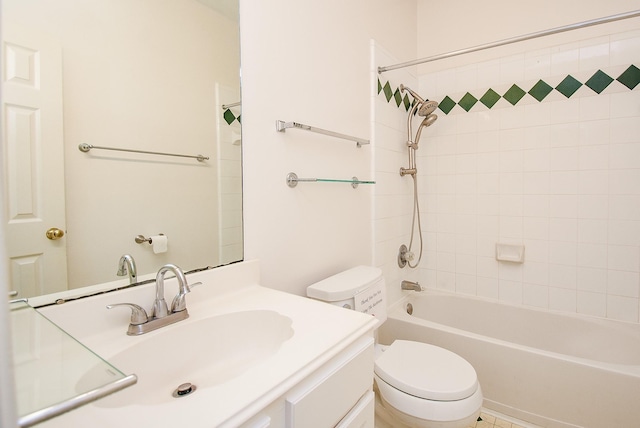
x=622 y=308
x=594 y=157
x=624 y=257
x=564 y=134
x=595 y=54
x=623 y=232
x=561 y=299
x=625 y=104
x=624 y=182
x=563 y=229
x=563 y=158
x=624 y=156
x=625 y=130
x=561 y=176
x=535 y=295
x=510 y=291
x=594 y=132
x=592 y=231
x=593 y=182
x=592 y=279
x=624 y=207
x=621 y=283
x=565 y=59
x=594 y=304
x=593 y=206
x=563 y=206
x=592 y=255
x=563 y=182
x=535 y=227
x=536 y=160
x=563 y=276
x=487 y=287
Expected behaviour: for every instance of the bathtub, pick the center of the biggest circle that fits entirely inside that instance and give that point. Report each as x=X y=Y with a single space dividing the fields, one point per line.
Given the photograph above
x=550 y=369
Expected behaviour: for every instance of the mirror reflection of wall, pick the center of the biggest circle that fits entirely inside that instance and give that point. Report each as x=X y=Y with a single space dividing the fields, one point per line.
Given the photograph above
x=137 y=74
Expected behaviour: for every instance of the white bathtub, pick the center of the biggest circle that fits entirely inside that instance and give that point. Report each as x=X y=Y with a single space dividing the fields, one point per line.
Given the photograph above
x=550 y=369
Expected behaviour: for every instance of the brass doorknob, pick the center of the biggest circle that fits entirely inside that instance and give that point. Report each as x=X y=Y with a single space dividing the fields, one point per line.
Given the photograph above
x=54 y=233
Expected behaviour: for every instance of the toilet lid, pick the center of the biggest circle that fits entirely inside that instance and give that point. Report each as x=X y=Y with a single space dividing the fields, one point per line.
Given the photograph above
x=426 y=371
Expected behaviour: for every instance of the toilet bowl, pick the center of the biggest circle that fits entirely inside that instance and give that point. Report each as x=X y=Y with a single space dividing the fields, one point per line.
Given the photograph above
x=417 y=384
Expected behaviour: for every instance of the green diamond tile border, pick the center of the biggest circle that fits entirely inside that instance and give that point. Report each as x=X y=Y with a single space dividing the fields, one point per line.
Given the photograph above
x=514 y=94
x=540 y=90
x=446 y=105
x=568 y=86
x=598 y=82
x=467 y=101
x=490 y=98
x=229 y=117
x=630 y=77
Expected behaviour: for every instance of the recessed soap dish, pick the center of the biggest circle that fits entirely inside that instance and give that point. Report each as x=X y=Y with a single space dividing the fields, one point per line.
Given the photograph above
x=510 y=253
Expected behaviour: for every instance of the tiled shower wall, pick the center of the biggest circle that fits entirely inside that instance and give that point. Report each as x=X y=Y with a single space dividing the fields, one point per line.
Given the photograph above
x=542 y=149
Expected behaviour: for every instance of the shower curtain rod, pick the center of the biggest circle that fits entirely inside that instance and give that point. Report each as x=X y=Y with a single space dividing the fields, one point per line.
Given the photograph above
x=503 y=42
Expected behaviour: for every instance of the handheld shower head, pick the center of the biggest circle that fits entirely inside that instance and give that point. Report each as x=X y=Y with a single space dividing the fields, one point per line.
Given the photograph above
x=427 y=122
x=426 y=107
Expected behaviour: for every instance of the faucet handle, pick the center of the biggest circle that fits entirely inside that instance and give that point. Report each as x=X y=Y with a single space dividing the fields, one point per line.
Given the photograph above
x=138 y=314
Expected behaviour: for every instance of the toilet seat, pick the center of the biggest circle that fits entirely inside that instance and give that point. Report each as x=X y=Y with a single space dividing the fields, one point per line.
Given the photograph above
x=426 y=371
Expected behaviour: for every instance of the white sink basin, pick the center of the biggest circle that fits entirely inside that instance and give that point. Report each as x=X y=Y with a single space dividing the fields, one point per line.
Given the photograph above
x=205 y=353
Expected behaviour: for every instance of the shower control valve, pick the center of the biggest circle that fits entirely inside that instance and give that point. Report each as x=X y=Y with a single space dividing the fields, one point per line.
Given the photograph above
x=404 y=256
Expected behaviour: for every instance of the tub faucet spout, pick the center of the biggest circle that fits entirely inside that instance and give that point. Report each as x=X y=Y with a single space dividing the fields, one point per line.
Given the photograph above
x=410 y=285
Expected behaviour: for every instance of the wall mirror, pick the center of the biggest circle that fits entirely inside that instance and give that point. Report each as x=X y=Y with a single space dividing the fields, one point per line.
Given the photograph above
x=144 y=75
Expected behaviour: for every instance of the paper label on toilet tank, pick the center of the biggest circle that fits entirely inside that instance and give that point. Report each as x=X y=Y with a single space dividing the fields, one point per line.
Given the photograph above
x=371 y=300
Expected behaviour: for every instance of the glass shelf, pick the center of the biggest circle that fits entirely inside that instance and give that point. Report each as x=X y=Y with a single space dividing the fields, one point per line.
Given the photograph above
x=54 y=373
x=293 y=180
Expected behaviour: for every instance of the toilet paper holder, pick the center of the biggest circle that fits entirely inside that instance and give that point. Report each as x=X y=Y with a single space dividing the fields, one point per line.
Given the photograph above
x=140 y=239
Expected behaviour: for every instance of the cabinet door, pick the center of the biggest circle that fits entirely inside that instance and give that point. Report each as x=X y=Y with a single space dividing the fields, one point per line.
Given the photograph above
x=329 y=397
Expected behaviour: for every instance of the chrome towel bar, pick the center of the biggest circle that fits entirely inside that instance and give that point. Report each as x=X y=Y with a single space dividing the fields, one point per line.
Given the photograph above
x=282 y=126
x=293 y=180
x=84 y=147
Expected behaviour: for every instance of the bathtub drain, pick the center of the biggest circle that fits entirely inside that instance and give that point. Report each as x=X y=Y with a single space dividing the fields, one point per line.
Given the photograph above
x=409 y=308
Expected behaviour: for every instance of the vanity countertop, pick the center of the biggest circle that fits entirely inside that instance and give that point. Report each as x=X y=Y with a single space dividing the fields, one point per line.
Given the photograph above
x=320 y=332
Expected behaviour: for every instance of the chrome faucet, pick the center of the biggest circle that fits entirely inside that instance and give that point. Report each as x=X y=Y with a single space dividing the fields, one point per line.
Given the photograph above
x=128 y=265
x=410 y=285
x=141 y=323
x=160 y=309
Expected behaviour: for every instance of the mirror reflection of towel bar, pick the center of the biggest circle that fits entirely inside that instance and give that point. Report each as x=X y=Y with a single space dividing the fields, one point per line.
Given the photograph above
x=84 y=147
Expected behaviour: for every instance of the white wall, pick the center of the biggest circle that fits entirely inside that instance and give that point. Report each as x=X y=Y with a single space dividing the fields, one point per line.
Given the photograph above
x=559 y=176
x=309 y=62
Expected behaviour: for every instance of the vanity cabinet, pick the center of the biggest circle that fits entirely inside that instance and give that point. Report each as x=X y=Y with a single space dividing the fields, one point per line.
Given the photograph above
x=337 y=394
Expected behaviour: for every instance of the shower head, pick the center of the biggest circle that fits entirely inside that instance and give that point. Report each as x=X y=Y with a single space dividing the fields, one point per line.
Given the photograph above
x=426 y=107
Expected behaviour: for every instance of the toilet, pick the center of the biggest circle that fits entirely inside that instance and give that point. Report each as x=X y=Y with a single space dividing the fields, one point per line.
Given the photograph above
x=417 y=384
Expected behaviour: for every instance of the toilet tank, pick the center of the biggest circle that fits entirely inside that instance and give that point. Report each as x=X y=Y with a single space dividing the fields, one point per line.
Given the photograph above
x=361 y=288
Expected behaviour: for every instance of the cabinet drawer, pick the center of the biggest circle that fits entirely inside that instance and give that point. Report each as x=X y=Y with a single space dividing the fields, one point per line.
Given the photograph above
x=334 y=390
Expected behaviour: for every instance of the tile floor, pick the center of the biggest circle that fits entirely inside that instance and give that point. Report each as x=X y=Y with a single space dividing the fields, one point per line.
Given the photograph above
x=492 y=421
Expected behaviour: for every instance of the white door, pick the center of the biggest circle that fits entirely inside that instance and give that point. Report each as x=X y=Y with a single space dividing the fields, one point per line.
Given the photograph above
x=32 y=144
